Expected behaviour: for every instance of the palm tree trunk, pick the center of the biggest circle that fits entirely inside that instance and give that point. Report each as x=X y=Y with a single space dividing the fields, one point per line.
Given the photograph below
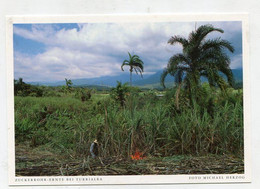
x=130 y=78
x=190 y=93
x=177 y=96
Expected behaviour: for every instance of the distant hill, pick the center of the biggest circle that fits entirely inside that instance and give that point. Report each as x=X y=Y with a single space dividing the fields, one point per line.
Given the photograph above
x=155 y=78
x=107 y=81
x=238 y=75
x=148 y=81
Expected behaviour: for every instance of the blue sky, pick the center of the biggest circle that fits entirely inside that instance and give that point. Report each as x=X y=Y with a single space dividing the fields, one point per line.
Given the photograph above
x=51 y=52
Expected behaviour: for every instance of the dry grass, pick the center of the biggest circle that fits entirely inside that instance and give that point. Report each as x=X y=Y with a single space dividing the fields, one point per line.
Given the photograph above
x=44 y=163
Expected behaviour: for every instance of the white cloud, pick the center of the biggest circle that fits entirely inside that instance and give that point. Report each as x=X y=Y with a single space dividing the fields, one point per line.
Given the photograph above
x=57 y=64
x=236 y=61
x=96 y=50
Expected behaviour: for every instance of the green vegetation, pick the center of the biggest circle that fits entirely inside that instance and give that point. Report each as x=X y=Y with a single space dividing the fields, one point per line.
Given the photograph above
x=190 y=119
x=23 y=89
x=200 y=57
x=67 y=87
x=135 y=63
x=119 y=93
x=156 y=126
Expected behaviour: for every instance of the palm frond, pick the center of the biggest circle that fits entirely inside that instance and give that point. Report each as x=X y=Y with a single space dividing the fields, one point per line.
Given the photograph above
x=138 y=64
x=178 y=39
x=178 y=59
x=137 y=69
x=163 y=76
x=130 y=57
x=202 y=32
x=135 y=63
x=179 y=76
x=125 y=63
x=217 y=44
x=226 y=70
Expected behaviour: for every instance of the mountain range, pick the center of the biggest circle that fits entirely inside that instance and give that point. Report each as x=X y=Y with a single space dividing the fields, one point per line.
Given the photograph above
x=148 y=81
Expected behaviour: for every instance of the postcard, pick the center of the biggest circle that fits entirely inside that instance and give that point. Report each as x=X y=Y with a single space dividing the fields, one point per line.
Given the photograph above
x=128 y=99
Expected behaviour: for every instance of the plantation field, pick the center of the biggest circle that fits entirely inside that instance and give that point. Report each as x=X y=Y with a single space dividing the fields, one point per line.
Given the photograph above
x=53 y=134
x=163 y=111
x=41 y=162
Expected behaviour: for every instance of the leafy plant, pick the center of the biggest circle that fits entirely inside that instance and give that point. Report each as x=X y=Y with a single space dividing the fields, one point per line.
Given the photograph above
x=83 y=94
x=68 y=86
x=23 y=89
x=135 y=63
x=120 y=92
x=200 y=57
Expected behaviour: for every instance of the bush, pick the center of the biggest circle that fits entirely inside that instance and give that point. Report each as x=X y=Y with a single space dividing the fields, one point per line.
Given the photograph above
x=120 y=92
x=83 y=94
x=23 y=89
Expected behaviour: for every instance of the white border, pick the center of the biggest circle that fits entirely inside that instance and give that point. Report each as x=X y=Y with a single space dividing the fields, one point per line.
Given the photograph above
x=143 y=179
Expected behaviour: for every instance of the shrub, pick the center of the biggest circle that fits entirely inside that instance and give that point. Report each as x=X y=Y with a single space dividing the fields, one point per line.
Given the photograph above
x=120 y=92
x=83 y=94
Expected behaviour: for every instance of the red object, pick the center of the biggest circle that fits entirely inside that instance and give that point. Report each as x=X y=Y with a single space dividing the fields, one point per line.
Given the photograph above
x=137 y=156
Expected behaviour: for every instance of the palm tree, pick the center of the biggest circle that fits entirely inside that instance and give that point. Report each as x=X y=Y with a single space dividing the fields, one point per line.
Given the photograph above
x=135 y=63
x=200 y=57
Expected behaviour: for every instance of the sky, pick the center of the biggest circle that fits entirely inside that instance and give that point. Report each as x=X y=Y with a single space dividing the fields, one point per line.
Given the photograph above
x=52 y=52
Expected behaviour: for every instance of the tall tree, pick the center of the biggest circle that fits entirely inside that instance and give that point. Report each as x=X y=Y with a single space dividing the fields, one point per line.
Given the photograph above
x=200 y=57
x=135 y=63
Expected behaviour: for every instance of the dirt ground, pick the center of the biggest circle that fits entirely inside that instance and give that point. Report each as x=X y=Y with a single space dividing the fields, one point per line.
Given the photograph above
x=42 y=162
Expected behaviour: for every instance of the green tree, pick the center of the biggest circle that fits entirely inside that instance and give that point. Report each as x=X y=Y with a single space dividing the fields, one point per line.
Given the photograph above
x=135 y=63
x=83 y=94
x=68 y=85
x=19 y=85
x=23 y=89
x=119 y=92
x=200 y=57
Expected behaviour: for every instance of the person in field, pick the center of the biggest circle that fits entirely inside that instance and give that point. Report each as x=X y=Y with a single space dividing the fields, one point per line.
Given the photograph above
x=94 y=149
